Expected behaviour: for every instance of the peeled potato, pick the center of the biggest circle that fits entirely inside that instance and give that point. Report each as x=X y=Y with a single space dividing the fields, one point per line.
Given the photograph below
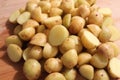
x=114 y=67
x=55 y=76
x=105 y=11
x=70 y=74
x=89 y=40
x=101 y=74
x=87 y=71
x=23 y=17
x=55 y=12
x=70 y=57
x=66 y=20
x=14 y=16
x=30 y=6
x=84 y=58
x=95 y=29
x=80 y=2
x=107 y=21
x=57 y=35
x=39 y=39
x=17 y=29
x=13 y=39
x=14 y=52
x=99 y=61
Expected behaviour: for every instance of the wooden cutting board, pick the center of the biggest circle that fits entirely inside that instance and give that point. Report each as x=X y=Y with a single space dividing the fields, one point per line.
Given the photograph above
x=13 y=71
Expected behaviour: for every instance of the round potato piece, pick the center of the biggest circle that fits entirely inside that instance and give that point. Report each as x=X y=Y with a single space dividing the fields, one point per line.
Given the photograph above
x=32 y=69
x=84 y=58
x=114 y=67
x=66 y=20
x=87 y=71
x=89 y=40
x=101 y=74
x=70 y=58
x=70 y=74
x=14 y=52
x=30 y=6
x=13 y=39
x=55 y=76
x=35 y=53
x=23 y=17
x=14 y=16
x=57 y=35
x=39 y=39
x=106 y=50
x=55 y=12
x=27 y=34
x=49 y=51
x=99 y=60
x=53 y=65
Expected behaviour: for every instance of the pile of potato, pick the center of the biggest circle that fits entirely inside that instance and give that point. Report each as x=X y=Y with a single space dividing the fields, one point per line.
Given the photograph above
x=65 y=38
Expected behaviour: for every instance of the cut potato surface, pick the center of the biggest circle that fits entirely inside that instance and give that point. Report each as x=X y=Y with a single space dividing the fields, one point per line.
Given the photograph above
x=57 y=35
x=89 y=40
x=114 y=67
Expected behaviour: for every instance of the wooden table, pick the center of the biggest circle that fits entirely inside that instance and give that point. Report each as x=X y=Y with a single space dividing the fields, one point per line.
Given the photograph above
x=13 y=71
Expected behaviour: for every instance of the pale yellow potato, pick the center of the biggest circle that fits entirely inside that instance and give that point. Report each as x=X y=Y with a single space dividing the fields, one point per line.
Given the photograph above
x=114 y=67
x=39 y=39
x=77 y=23
x=84 y=58
x=52 y=21
x=57 y=35
x=106 y=50
x=67 y=6
x=115 y=33
x=53 y=65
x=95 y=29
x=36 y=14
x=55 y=12
x=36 y=52
x=43 y=17
x=89 y=40
x=40 y=28
x=27 y=33
x=26 y=53
x=55 y=76
x=92 y=51
x=78 y=44
x=66 y=20
x=84 y=10
x=30 y=23
x=70 y=74
x=45 y=6
x=80 y=2
x=87 y=71
x=99 y=61
x=49 y=51
x=14 y=16
x=94 y=8
x=55 y=3
x=104 y=35
x=108 y=21
x=67 y=44
x=75 y=12
x=32 y=69
x=115 y=48
x=95 y=17
x=105 y=11
x=24 y=17
x=101 y=74
x=17 y=29
x=14 y=52
x=70 y=58
x=13 y=39
x=30 y=6
x=80 y=33
x=23 y=9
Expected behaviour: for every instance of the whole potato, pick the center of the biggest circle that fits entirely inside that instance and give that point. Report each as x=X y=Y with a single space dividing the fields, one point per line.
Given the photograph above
x=53 y=65
x=32 y=69
x=55 y=76
x=70 y=58
x=70 y=74
x=101 y=74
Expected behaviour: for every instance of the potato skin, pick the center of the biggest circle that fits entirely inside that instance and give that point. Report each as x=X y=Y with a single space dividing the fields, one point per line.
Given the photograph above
x=32 y=69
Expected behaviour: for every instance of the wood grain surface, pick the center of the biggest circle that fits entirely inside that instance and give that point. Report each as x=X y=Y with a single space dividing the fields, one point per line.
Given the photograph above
x=13 y=71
